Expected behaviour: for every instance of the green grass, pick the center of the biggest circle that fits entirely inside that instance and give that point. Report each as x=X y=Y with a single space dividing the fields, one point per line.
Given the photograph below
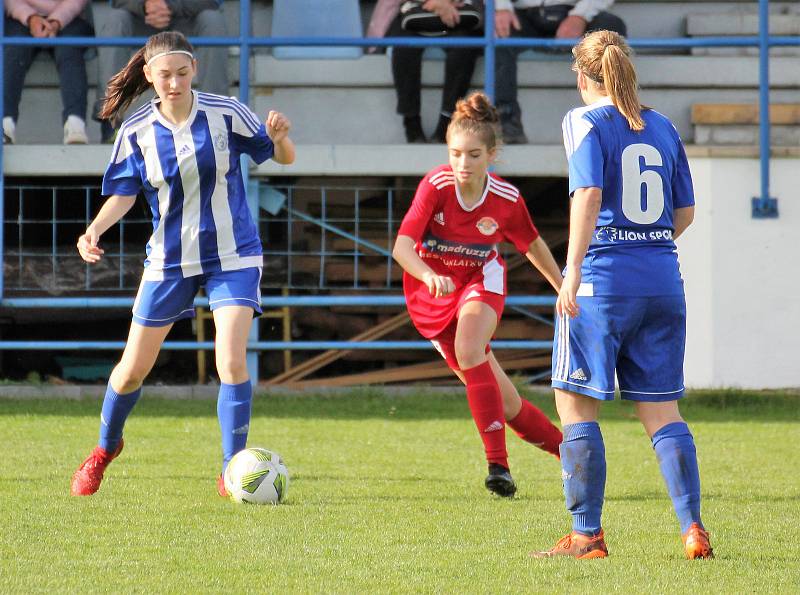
x=386 y=495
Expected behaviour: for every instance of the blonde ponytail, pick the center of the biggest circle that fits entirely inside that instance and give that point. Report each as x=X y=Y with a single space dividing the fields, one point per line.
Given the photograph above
x=604 y=57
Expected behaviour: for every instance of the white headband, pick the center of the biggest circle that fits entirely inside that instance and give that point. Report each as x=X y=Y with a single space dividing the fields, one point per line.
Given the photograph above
x=168 y=53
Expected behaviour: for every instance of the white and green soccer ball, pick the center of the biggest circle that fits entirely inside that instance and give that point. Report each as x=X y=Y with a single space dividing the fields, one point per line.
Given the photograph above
x=257 y=476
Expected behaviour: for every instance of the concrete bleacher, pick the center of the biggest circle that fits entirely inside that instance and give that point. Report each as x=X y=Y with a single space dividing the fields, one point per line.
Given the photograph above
x=351 y=102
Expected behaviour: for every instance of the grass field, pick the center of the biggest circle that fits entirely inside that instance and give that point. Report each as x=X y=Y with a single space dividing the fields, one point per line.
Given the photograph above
x=386 y=496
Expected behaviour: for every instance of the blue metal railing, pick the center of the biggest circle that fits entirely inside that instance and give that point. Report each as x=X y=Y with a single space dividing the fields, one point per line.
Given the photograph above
x=763 y=206
x=266 y=302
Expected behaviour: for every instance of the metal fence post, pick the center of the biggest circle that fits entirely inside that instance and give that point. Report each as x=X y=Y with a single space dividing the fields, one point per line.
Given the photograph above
x=764 y=206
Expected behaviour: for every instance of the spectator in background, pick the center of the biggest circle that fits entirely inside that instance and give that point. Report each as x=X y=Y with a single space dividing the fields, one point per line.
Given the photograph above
x=407 y=65
x=129 y=18
x=47 y=18
x=562 y=19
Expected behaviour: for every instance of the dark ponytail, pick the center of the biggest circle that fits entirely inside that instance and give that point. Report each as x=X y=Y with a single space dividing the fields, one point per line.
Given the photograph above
x=130 y=82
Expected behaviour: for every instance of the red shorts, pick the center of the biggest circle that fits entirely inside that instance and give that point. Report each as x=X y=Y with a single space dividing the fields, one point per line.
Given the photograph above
x=444 y=339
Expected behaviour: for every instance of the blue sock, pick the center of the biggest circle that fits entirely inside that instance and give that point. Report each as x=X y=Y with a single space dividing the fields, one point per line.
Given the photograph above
x=583 y=462
x=233 y=411
x=677 y=457
x=115 y=411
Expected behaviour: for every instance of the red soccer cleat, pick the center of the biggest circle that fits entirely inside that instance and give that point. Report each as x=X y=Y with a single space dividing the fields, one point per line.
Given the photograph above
x=578 y=546
x=696 y=543
x=221 y=487
x=86 y=480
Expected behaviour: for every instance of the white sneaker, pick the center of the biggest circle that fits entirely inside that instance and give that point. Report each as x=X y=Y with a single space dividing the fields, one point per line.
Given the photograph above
x=9 y=131
x=75 y=131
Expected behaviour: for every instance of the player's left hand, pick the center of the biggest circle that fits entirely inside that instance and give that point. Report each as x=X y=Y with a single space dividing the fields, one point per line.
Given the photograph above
x=571 y=27
x=278 y=126
x=567 y=302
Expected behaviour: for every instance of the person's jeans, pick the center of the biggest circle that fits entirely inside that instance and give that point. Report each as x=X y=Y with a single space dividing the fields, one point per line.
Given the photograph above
x=212 y=62
x=538 y=22
x=70 y=64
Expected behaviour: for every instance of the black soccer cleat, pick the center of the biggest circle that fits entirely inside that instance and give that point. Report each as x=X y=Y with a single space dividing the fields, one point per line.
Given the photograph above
x=500 y=482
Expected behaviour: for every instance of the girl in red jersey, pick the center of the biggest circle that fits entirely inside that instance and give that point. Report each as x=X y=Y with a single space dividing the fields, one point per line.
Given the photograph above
x=455 y=279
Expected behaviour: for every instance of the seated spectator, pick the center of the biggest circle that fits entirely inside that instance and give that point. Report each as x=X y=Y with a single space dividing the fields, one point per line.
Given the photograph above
x=142 y=18
x=562 y=19
x=407 y=65
x=47 y=18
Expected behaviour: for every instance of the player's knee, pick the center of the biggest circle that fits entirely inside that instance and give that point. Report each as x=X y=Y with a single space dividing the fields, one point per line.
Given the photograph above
x=231 y=370
x=469 y=354
x=127 y=378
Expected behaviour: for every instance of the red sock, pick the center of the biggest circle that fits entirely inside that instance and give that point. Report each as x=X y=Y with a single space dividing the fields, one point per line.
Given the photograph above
x=533 y=426
x=486 y=405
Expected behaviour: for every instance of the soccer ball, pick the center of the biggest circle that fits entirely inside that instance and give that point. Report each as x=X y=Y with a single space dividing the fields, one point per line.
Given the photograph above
x=257 y=476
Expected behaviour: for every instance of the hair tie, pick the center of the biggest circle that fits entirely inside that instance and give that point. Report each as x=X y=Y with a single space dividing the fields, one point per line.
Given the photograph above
x=167 y=53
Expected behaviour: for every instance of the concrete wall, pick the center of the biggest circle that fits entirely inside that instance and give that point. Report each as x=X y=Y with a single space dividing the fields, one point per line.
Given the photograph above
x=742 y=278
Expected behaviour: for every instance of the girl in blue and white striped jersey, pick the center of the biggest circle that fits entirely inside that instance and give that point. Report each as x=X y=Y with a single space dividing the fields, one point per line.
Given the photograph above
x=182 y=151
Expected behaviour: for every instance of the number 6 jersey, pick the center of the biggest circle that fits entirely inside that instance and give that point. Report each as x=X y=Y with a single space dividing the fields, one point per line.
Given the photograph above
x=644 y=176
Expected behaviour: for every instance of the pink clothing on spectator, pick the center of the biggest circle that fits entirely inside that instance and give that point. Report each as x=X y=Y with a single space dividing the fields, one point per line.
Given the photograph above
x=383 y=14
x=64 y=11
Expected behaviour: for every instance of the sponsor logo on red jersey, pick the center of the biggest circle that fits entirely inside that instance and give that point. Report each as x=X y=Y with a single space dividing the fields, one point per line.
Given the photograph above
x=487 y=226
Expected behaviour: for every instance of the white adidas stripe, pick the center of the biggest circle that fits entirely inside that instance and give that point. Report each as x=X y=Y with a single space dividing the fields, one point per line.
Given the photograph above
x=511 y=187
x=442 y=174
x=502 y=193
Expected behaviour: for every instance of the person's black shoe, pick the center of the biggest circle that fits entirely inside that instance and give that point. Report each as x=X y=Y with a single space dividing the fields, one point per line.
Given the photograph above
x=108 y=134
x=440 y=134
x=500 y=482
x=513 y=132
x=414 y=132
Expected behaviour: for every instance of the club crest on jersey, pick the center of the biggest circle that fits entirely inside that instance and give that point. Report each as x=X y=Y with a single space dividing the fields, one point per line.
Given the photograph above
x=487 y=226
x=439 y=218
x=221 y=141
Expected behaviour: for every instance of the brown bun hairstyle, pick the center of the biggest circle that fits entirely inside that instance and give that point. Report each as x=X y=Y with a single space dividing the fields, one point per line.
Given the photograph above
x=476 y=115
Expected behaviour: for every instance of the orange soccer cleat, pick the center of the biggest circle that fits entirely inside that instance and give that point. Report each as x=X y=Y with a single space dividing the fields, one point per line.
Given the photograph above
x=221 y=487
x=696 y=543
x=86 y=480
x=577 y=545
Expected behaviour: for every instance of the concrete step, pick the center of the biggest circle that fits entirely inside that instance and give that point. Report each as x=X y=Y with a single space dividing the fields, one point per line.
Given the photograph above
x=743 y=20
x=345 y=116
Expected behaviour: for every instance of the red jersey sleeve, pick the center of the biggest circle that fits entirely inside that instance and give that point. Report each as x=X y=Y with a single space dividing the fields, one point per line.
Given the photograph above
x=421 y=212
x=519 y=229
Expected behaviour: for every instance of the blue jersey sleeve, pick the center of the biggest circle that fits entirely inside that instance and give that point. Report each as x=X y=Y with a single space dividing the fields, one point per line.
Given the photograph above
x=682 y=188
x=584 y=153
x=122 y=175
x=249 y=136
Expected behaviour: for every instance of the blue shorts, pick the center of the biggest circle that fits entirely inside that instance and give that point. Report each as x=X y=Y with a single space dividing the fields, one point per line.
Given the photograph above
x=642 y=339
x=160 y=303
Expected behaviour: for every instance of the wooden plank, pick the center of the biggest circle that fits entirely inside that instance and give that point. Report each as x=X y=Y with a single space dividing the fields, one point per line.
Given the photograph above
x=315 y=363
x=410 y=374
x=744 y=113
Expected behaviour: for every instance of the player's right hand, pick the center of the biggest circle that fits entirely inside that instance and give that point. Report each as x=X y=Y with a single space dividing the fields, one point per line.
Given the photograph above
x=504 y=20
x=567 y=302
x=88 y=248
x=438 y=285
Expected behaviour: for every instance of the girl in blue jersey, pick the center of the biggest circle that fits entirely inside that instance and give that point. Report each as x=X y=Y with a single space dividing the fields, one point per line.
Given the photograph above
x=621 y=308
x=182 y=151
